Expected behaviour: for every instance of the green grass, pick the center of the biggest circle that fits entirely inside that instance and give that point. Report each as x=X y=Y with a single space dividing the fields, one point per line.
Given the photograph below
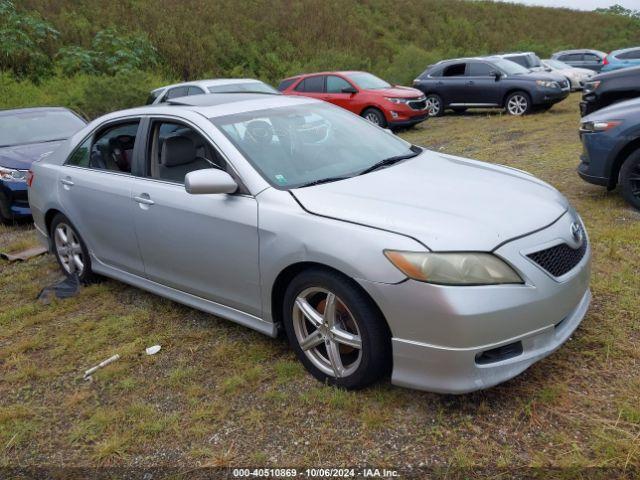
x=220 y=394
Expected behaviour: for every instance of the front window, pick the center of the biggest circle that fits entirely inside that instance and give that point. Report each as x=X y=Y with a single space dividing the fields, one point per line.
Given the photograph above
x=248 y=87
x=297 y=145
x=366 y=81
x=37 y=126
x=508 y=67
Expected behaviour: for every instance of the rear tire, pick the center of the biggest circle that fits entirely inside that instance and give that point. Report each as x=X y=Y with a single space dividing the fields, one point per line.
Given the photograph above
x=375 y=116
x=518 y=103
x=630 y=179
x=435 y=105
x=318 y=337
x=70 y=250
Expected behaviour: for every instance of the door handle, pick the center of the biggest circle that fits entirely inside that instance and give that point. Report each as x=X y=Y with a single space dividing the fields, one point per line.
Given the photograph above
x=66 y=181
x=144 y=199
x=439 y=83
x=471 y=82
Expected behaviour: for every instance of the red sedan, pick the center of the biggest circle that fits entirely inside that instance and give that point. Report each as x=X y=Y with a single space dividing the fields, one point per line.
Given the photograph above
x=362 y=93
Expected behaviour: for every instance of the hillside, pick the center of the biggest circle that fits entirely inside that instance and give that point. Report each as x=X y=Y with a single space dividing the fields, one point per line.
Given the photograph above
x=274 y=38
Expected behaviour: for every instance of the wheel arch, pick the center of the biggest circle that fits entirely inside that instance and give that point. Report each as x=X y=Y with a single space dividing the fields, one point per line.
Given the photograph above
x=514 y=90
x=48 y=218
x=619 y=159
x=286 y=275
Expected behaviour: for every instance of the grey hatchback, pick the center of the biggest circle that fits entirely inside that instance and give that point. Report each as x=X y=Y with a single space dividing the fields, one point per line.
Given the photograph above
x=289 y=213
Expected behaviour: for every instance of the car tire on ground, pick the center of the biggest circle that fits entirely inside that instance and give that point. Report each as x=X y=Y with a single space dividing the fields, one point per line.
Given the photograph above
x=375 y=116
x=335 y=329
x=70 y=250
x=435 y=105
x=630 y=179
x=518 y=103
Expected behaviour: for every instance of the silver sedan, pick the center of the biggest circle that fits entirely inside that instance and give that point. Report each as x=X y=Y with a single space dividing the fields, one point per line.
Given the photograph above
x=375 y=256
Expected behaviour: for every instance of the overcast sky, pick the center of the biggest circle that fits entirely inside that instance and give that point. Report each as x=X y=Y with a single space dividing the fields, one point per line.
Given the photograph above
x=582 y=4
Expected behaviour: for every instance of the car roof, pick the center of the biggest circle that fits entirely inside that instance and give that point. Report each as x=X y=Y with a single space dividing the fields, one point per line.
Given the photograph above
x=215 y=105
x=510 y=54
x=333 y=72
x=461 y=59
x=209 y=83
x=34 y=109
x=623 y=50
x=579 y=50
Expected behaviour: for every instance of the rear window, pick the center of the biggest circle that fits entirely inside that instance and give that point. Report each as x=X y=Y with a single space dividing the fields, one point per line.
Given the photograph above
x=153 y=96
x=284 y=84
x=246 y=87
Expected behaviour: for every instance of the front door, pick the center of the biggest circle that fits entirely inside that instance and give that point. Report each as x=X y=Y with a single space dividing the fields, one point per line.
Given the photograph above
x=95 y=191
x=334 y=93
x=481 y=87
x=205 y=245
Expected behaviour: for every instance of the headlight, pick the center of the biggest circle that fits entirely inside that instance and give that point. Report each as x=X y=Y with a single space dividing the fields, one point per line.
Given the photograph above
x=547 y=84
x=456 y=268
x=398 y=100
x=13 y=175
x=591 y=86
x=599 y=126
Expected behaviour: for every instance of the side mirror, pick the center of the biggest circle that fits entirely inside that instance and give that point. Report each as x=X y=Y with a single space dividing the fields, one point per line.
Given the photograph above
x=209 y=181
x=350 y=90
x=497 y=75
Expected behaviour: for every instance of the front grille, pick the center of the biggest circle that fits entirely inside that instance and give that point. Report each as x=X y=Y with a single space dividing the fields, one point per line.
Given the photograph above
x=560 y=259
x=418 y=104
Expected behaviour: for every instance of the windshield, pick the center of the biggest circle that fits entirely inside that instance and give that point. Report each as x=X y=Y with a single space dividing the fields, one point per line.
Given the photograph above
x=509 y=67
x=534 y=60
x=296 y=145
x=366 y=81
x=556 y=64
x=19 y=128
x=249 y=87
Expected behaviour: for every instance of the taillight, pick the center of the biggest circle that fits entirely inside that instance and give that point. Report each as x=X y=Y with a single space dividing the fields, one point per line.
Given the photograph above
x=30 y=177
x=605 y=61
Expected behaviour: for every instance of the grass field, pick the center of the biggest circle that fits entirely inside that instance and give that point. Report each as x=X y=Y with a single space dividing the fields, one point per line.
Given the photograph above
x=220 y=394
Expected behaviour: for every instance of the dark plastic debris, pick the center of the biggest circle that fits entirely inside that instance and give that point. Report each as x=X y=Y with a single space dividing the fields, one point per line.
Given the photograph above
x=69 y=287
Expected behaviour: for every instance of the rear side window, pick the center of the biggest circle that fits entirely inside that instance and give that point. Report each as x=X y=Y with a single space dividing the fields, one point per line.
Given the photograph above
x=284 y=84
x=110 y=149
x=630 y=55
x=194 y=91
x=455 y=70
x=311 y=85
x=478 y=69
x=571 y=57
x=590 y=57
x=520 y=60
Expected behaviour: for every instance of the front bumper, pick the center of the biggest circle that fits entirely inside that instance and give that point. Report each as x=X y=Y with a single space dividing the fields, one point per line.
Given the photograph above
x=408 y=122
x=549 y=96
x=14 y=201
x=440 y=332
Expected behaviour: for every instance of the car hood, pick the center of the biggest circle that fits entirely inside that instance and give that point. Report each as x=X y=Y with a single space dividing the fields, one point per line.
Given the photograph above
x=20 y=157
x=447 y=203
x=615 y=111
x=543 y=75
x=400 y=92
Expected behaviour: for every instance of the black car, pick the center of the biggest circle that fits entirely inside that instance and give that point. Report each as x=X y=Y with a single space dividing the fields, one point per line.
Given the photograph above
x=489 y=82
x=611 y=149
x=610 y=87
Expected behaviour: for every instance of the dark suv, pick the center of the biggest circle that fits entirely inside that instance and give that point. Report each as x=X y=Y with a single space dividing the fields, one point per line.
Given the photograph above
x=608 y=88
x=611 y=149
x=489 y=82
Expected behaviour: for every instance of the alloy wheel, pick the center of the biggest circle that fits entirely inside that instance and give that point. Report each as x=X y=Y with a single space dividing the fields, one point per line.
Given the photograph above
x=373 y=118
x=433 y=106
x=517 y=104
x=634 y=180
x=327 y=332
x=68 y=249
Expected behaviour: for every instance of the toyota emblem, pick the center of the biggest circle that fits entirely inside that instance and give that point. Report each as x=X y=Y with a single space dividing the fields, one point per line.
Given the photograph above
x=576 y=233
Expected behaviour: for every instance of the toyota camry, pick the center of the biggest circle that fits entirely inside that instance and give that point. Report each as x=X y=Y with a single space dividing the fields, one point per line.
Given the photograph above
x=375 y=257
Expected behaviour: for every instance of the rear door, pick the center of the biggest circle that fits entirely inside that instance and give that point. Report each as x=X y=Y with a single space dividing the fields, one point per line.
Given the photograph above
x=452 y=86
x=205 y=245
x=95 y=191
x=591 y=61
x=481 y=87
x=312 y=86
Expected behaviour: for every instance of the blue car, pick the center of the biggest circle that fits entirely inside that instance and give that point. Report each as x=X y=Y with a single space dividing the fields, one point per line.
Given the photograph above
x=611 y=149
x=26 y=135
x=627 y=57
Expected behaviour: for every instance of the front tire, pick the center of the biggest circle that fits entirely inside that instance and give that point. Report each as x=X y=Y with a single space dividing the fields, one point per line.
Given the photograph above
x=375 y=116
x=435 y=105
x=70 y=250
x=630 y=179
x=335 y=329
x=518 y=104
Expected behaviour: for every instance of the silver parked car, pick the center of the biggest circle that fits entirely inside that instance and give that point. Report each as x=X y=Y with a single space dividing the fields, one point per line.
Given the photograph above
x=374 y=255
x=204 y=87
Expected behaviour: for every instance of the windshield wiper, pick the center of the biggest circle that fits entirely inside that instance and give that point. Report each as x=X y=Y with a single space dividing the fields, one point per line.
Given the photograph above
x=415 y=151
x=323 y=180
